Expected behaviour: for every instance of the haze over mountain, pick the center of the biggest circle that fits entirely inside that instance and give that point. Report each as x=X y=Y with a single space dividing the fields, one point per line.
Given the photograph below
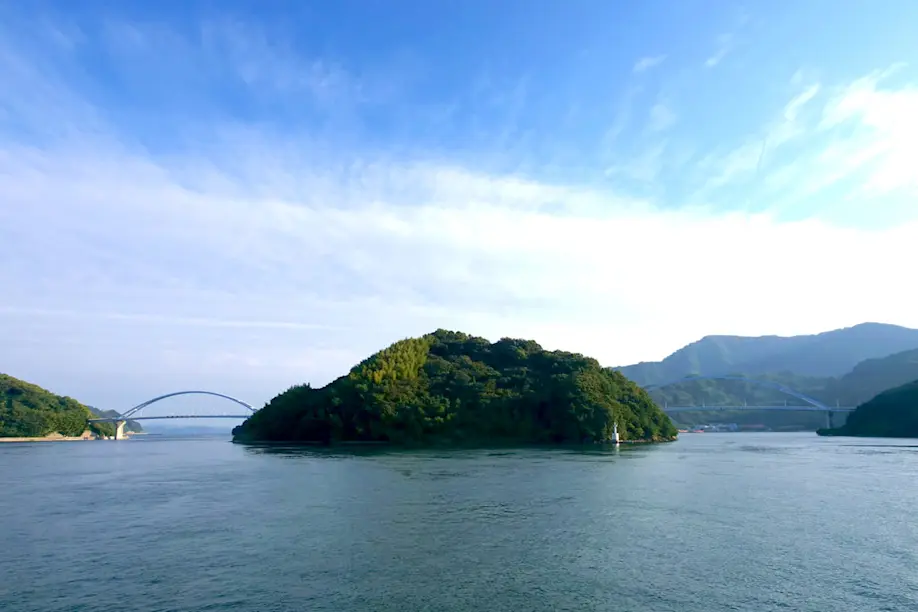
x=868 y=379
x=828 y=354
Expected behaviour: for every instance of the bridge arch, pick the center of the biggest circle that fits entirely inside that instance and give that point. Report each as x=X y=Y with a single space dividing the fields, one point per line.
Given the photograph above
x=761 y=383
x=139 y=407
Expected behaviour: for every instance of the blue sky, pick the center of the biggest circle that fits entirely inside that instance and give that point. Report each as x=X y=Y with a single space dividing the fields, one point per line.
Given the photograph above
x=241 y=196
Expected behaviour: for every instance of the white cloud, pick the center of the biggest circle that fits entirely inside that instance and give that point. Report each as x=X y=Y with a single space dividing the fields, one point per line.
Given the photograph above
x=248 y=259
x=888 y=123
x=646 y=63
x=372 y=260
x=832 y=150
x=792 y=109
x=862 y=145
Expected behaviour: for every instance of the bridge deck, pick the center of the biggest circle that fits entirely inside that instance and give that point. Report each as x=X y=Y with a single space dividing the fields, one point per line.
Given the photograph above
x=785 y=408
x=176 y=416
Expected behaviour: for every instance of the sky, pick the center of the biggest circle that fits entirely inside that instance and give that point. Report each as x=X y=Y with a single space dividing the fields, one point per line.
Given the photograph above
x=243 y=196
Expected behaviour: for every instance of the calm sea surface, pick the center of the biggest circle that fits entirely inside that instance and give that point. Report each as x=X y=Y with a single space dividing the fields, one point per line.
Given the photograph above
x=713 y=522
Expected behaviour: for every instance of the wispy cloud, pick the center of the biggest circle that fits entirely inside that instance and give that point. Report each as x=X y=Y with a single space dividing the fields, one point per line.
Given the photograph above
x=725 y=44
x=196 y=240
x=646 y=63
x=792 y=108
x=662 y=117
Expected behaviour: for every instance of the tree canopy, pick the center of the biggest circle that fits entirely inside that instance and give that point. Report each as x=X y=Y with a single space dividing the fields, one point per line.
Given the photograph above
x=891 y=414
x=27 y=410
x=449 y=387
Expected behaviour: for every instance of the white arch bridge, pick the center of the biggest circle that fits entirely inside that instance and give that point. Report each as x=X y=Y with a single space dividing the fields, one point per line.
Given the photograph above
x=809 y=404
x=120 y=420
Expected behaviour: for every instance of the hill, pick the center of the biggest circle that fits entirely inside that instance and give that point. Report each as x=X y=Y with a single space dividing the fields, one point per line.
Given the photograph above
x=130 y=426
x=449 y=387
x=829 y=354
x=871 y=377
x=28 y=411
x=891 y=414
x=862 y=383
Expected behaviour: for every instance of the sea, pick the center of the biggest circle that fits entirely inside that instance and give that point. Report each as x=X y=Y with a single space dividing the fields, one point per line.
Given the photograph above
x=715 y=521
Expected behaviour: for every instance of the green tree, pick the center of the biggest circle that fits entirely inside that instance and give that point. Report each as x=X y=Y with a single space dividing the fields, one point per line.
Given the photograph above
x=449 y=387
x=27 y=410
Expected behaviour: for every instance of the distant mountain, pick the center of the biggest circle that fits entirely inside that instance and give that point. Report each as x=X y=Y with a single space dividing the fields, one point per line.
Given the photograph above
x=829 y=354
x=865 y=381
x=873 y=376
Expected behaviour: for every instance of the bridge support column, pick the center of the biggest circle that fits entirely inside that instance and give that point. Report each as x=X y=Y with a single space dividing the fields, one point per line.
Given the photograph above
x=829 y=419
x=119 y=430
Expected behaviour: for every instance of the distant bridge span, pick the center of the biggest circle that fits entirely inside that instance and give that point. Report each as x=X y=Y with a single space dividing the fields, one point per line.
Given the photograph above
x=761 y=383
x=119 y=421
x=715 y=408
x=813 y=404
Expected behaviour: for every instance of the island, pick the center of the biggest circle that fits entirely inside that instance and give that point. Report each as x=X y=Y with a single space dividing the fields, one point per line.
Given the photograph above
x=29 y=412
x=455 y=389
x=891 y=414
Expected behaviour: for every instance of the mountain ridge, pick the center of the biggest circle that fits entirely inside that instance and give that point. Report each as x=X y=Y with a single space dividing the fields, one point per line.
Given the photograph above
x=826 y=354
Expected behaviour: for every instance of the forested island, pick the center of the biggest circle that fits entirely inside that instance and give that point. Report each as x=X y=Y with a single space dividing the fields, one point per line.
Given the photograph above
x=891 y=414
x=29 y=411
x=451 y=388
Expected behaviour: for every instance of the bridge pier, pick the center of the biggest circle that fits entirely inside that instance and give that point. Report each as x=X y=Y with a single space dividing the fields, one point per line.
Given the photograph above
x=119 y=430
x=829 y=419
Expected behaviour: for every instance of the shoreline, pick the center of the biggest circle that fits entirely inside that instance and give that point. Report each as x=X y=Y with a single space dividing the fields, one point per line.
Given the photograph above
x=56 y=437
x=50 y=439
x=440 y=446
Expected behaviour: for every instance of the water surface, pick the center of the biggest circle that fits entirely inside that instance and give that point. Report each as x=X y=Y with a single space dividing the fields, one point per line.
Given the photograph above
x=713 y=522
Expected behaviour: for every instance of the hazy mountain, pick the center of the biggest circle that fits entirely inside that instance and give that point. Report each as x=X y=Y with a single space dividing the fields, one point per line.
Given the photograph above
x=864 y=382
x=873 y=376
x=829 y=354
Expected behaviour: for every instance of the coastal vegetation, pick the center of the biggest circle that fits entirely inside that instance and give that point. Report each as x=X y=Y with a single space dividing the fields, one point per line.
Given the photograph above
x=451 y=388
x=28 y=411
x=891 y=414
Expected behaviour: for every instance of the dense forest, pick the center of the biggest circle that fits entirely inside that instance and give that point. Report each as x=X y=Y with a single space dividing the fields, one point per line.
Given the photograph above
x=891 y=414
x=29 y=411
x=449 y=387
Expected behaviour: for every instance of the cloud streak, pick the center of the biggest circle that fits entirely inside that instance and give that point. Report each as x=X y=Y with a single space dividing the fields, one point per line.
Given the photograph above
x=647 y=63
x=725 y=44
x=247 y=255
